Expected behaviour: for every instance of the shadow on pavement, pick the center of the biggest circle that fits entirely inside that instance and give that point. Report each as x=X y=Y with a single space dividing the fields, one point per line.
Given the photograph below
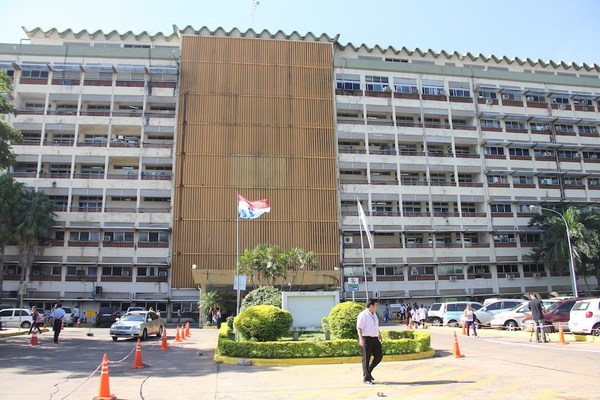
x=425 y=383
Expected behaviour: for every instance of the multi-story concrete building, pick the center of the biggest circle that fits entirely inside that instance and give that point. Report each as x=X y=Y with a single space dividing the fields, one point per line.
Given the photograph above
x=445 y=152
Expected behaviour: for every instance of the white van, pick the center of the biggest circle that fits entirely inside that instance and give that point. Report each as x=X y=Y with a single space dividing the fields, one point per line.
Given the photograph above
x=585 y=317
x=11 y=317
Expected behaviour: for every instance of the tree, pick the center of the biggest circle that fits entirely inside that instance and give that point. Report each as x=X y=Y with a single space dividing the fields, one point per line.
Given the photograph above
x=269 y=295
x=10 y=192
x=263 y=264
x=209 y=302
x=584 y=227
x=8 y=134
x=34 y=220
x=299 y=261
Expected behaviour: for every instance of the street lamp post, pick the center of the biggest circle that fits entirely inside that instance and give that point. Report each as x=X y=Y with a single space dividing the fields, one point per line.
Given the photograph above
x=571 y=260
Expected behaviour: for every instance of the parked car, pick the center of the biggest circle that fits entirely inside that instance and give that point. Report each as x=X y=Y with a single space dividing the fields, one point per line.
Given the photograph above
x=493 y=300
x=131 y=309
x=585 y=317
x=106 y=316
x=435 y=314
x=455 y=310
x=511 y=319
x=558 y=313
x=138 y=324
x=487 y=312
x=68 y=318
x=10 y=318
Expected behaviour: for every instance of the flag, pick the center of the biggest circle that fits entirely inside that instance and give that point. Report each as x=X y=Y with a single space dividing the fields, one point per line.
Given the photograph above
x=363 y=221
x=252 y=209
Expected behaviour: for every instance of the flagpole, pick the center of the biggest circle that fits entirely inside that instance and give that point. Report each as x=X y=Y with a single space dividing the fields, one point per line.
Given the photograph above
x=238 y=257
x=362 y=248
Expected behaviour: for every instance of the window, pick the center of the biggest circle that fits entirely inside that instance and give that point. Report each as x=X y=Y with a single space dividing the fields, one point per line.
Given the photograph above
x=433 y=88
x=153 y=236
x=513 y=96
x=92 y=169
x=123 y=198
x=450 y=270
x=412 y=207
x=490 y=123
x=377 y=83
x=548 y=180
x=564 y=128
x=468 y=208
x=84 y=236
x=90 y=202
x=538 y=126
x=118 y=236
x=60 y=169
x=383 y=206
x=533 y=268
x=116 y=271
x=572 y=181
x=560 y=100
x=389 y=271
x=500 y=208
x=508 y=269
x=442 y=208
x=412 y=240
x=593 y=181
x=460 y=92
x=59 y=235
x=543 y=153
x=163 y=109
x=421 y=271
x=33 y=74
x=464 y=178
x=536 y=98
x=523 y=180
x=406 y=86
x=46 y=270
x=478 y=269
x=146 y=271
x=515 y=151
x=502 y=179
x=347 y=82
x=587 y=129
x=437 y=178
x=515 y=125
x=529 y=238
x=487 y=94
x=493 y=151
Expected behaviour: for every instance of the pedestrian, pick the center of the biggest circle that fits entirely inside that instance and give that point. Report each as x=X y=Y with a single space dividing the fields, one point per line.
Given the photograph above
x=537 y=313
x=37 y=320
x=386 y=313
x=469 y=320
x=178 y=315
x=414 y=317
x=57 y=314
x=369 y=339
x=76 y=315
x=402 y=313
x=422 y=315
x=218 y=318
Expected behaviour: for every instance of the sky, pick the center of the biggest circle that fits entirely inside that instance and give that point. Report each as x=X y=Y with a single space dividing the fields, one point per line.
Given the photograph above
x=538 y=29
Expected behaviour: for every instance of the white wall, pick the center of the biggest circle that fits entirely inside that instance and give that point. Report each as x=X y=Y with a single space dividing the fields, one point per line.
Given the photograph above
x=308 y=308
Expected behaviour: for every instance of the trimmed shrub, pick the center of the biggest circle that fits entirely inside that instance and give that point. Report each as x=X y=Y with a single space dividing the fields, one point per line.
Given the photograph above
x=229 y=321
x=342 y=320
x=263 y=295
x=313 y=349
x=263 y=323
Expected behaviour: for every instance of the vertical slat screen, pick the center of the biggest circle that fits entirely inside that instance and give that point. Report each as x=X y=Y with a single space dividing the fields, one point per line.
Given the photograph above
x=255 y=117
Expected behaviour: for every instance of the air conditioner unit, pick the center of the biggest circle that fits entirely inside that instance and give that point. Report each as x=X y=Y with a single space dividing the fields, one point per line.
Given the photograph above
x=126 y=272
x=559 y=128
x=562 y=107
x=505 y=97
x=510 y=277
x=537 y=275
x=387 y=89
x=489 y=101
x=348 y=240
x=162 y=273
x=414 y=272
x=452 y=278
x=106 y=238
x=120 y=137
x=529 y=98
x=98 y=290
x=131 y=295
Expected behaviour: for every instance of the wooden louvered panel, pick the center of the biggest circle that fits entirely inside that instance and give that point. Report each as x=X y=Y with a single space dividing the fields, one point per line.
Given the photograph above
x=255 y=118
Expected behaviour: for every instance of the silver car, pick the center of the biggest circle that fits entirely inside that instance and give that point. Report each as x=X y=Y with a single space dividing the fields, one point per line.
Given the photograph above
x=137 y=324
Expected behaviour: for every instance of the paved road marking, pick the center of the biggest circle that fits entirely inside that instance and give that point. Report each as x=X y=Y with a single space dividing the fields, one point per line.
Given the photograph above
x=507 y=389
x=546 y=394
x=541 y=347
x=467 y=387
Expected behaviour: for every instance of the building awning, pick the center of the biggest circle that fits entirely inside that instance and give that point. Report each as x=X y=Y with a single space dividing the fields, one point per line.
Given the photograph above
x=136 y=69
x=65 y=67
x=162 y=70
x=97 y=68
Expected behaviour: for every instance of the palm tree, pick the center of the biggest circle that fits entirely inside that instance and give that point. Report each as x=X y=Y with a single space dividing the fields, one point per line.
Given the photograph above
x=10 y=191
x=263 y=264
x=299 y=261
x=209 y=302
x=34 y=222
x=584 y=227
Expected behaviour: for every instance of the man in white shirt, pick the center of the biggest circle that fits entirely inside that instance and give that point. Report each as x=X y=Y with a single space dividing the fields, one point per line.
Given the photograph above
x=57 y=314
x=369 y=339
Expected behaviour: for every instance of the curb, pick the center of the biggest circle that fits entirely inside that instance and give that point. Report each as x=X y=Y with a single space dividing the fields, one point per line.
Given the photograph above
x=19 y=333
x=321 y=360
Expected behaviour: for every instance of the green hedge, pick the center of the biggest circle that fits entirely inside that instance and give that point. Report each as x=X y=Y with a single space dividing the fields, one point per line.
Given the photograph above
x=342 y=320
x=394 y=343
x=263 y=323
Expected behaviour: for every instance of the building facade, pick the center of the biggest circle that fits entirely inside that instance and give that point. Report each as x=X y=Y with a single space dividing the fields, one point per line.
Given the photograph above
x=445 y=152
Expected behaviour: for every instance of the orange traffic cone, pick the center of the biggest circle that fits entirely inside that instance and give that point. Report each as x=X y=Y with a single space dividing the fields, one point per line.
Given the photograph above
x=34 y=339
x=137 y=362
x=164 y=345
x=464 y=329
x=177 y=336
x=456 y=349
x=62 y=326
x=104 y=391
x=561 y=334
x=187 y=329
x=410 y=325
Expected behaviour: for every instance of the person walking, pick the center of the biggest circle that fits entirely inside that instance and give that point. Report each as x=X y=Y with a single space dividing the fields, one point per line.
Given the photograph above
x=37 y=318
x=57 y=314
x=76 y=315
x=414 y=317
x=422 y=315
x=537 y=313
x=178 y=315
x=469 y=320
x=369 y=339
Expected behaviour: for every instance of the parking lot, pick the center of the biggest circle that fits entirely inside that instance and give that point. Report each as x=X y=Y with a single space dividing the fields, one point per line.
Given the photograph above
x=497 y=365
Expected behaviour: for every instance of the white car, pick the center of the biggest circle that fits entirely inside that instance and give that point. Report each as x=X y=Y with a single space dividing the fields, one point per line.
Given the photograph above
x=511 y=319
x=137 y=324
x=486 y=313
x=585 y=317
x=15 y=318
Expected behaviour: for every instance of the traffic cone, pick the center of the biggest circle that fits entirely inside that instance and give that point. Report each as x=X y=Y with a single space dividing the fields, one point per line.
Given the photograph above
x=104 y=391
x=62 y=325
x=561 y=334
x=456 y=349
x=183 y=334
x=177 y=337
x=164 y=345
x=464 y=329
x=410 y=325
x=34 y=339
x=78 y=324
x=137 y=362
x=187 y=329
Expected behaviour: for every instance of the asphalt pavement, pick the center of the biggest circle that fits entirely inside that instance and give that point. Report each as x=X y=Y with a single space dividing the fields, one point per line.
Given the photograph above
x=497 y=365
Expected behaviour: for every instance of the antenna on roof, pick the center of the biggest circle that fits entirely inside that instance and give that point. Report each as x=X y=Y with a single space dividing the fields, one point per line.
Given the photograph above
x=255 y=3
